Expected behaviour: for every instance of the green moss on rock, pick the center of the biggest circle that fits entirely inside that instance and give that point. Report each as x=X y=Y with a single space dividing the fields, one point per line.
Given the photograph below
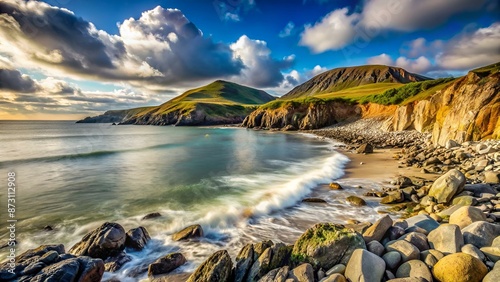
x=325 y=245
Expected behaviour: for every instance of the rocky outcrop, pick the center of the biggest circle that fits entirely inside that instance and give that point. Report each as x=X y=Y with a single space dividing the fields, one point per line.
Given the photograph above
x=467 y=109
x=166 y=264
x=137 y=238
x=106 y=241
x=308 y=115
x=82 y=269
x=50 y=263
x=217 y=268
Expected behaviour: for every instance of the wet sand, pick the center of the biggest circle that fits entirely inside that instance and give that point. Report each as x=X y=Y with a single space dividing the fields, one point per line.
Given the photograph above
x=381 y=166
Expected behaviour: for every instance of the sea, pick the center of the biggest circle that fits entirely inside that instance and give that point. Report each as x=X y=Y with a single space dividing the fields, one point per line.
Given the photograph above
x=240 y=185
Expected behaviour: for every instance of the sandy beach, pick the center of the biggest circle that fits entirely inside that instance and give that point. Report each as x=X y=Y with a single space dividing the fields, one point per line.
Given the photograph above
x=380 y=166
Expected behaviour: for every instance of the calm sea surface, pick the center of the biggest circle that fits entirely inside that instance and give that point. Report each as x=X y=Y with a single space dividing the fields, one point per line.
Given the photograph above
x=240 y=185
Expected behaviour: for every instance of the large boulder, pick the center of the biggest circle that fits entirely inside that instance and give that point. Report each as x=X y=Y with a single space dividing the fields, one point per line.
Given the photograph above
x=302 y=273
x=259 y=248
x=193 y=231
x=447 y=186
x=81 y=269
x=261 y=266
x=419 y=240
x=108 y=240
x=447 y=239
x=414 y=268
x=480 y=233
x=464 y=216
x=166 y=264
x=422 y=221
x=406 y=249
x=459 y=267
x=137 y=238
x=376 y=247
x=392 y=259
x=217 y=268
x=325 y=245
x=273 y=257
x=377 y=230
x=280 y=255
x=365 y=266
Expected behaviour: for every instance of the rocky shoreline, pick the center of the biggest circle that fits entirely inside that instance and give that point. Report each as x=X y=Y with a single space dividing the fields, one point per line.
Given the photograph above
x=450 y=229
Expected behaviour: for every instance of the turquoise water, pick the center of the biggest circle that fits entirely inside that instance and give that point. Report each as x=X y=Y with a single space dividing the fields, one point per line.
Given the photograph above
x=238 y=184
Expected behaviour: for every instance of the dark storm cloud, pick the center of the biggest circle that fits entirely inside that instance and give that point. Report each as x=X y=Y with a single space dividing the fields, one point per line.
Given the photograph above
x=15 y=81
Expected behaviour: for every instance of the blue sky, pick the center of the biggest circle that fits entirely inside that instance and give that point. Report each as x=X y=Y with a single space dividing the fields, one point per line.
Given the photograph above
x=73 y=58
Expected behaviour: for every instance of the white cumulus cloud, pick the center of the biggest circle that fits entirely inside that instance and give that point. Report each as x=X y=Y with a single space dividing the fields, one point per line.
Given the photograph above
x=342 y=27
x=261 y=70
x=472 y=50
x=382 y=59
x=334 y=31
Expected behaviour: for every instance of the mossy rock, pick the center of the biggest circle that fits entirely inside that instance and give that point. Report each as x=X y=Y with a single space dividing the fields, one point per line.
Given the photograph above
x=326 y=245
x=218 y=267
x=356 y=201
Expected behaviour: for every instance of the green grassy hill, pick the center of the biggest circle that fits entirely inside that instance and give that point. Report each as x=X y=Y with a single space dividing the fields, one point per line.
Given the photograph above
x=410 y=92
x=487 y=70
x=219 y=102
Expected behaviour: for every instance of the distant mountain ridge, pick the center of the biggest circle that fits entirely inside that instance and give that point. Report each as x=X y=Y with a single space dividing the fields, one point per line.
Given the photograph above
x=219 y=102
x=348 y=77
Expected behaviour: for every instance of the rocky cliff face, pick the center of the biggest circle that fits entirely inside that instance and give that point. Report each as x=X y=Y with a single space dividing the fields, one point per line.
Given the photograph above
x=468 y=109
x=303 y=116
